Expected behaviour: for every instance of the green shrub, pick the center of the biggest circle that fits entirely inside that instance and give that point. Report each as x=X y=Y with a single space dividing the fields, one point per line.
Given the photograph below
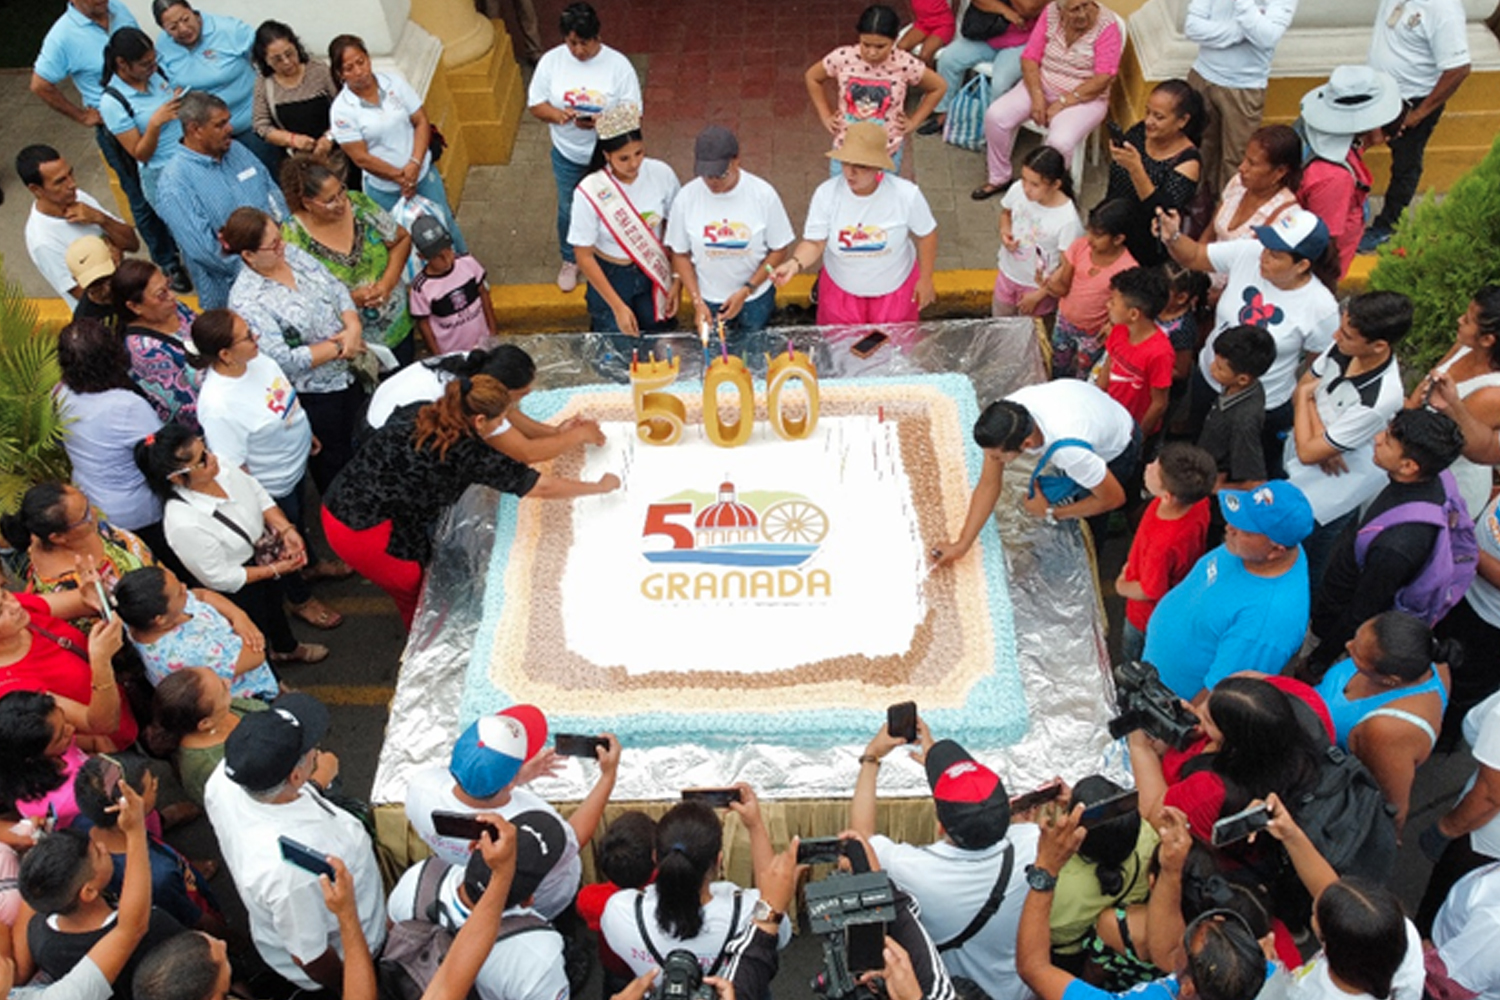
x=1441 y=254
x=30 y=428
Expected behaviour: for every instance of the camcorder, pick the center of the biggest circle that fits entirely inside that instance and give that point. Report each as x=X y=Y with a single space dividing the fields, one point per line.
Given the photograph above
x=1144 y=702
x=850 y=914
x=682 y=978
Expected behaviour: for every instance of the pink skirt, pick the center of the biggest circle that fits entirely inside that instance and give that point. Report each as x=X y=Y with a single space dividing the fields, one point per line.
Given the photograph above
x=837 y=307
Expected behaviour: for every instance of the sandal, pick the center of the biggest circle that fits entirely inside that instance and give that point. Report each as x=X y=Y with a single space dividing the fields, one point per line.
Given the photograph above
x=317 y=614
x=327 y=569
x=306 y=652
x=988 y=191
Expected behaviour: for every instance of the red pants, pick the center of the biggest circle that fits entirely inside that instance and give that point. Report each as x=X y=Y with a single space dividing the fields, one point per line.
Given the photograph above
x=365 y=553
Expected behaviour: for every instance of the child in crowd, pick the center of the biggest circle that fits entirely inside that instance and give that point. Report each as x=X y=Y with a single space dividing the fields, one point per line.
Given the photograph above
x=1137 y=369
x=932 y=27
x=449 y=298
x=92 y=262
x=1172 y=534
x=626 y=857
x=1037 y=221
x=1231 y=434
x=176 y=886
x=1186 y=291
x=1081 y=286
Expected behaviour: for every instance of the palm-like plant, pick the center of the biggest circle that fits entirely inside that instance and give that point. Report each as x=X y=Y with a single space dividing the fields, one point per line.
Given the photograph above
x=31 y=430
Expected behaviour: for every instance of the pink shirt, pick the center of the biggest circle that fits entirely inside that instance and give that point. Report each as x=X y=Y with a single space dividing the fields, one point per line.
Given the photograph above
x=1066 y=66
x=1086 y=305
x=1337 y=196
x=1229 y=206
x=872 y=93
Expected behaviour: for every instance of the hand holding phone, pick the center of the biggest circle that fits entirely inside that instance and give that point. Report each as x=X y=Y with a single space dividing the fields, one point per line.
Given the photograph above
x=820 y=851
x=717 y=798
x=1111 y=808
x=1238 y=826
x=1027 y=801
x=901 y=721
x=463 y=826
x=305 y=857
x=1116 y=133
x=575 y=745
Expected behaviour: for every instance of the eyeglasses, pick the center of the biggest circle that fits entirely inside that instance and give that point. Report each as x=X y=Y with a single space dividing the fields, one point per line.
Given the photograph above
x=250 y=337
x=271 y=247
x=276 y=59
x=335 y=199
x=87 y=518
x=200 y=463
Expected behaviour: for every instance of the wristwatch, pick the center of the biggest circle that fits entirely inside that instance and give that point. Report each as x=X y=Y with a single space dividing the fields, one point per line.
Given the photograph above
x=764 y=912
x=1040 y=879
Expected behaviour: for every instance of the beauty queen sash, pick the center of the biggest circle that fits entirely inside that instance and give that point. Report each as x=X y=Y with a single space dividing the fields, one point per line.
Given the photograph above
x=625 y=224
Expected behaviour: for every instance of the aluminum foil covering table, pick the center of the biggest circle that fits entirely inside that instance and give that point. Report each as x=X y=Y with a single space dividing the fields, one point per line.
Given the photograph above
x=1058 y=616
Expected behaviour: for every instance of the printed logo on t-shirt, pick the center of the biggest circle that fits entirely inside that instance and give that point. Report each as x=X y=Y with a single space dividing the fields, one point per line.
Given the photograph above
x=1257 y=311
x=862 y=239
x=1213 y=570
x=867 y=100
x=584 y=100
x=281 y=398
x=725 y=238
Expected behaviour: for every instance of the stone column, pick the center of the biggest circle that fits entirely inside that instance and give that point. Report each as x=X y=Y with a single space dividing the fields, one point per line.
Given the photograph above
x=465 y=33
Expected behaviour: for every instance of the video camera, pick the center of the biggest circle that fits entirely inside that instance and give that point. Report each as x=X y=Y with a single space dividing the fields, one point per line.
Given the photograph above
x=682 y=978
x=1144 y=702
x=850 y=913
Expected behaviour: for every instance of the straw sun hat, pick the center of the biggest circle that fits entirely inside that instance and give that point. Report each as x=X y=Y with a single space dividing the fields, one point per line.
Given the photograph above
x=864 y=146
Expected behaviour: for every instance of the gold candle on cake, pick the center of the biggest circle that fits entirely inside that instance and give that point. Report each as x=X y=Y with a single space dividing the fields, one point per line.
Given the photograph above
x=659 y=416
x=781 y=370
x=728 y=370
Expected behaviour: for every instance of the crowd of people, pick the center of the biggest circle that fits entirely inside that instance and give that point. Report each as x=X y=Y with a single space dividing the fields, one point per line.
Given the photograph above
x=1312 y=571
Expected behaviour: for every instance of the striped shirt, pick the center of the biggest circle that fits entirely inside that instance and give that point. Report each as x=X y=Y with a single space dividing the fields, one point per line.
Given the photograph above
x=1066 y=66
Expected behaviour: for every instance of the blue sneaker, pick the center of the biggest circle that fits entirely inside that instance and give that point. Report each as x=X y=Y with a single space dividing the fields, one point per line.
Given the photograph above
x=1373 y=238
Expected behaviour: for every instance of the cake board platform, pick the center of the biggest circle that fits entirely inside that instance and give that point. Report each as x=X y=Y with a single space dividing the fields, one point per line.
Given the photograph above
x=1057 y=623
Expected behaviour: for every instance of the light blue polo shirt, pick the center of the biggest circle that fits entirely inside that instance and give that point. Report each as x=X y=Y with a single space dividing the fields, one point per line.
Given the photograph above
x=119 y=119
x=219 y=64
x=74 y=48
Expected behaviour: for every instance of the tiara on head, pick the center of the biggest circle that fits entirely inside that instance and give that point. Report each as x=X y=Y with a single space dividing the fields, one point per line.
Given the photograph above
x=618 y=120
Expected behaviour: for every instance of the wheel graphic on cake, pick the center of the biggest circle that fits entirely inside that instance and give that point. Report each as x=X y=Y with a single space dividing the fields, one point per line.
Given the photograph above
x=794 y=521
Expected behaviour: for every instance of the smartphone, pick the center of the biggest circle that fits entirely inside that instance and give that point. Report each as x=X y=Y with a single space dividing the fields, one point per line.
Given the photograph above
x=865 y=946
x=1240 y=825
x=1027 y=801
x=104 y=609
x=1111 y=808
x=463 y=826
x=819 y=851
x=304 y=857
x=1116 y=133
x=114 y=771
x=901 y=721
x=719 y=798
x=574 y=745
x=866 y=346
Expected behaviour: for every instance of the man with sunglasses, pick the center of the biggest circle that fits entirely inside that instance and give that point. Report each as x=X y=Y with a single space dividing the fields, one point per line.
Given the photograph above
x=1216 y=957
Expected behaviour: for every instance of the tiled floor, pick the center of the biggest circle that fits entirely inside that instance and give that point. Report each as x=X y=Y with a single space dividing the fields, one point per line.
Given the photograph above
x=727 y=62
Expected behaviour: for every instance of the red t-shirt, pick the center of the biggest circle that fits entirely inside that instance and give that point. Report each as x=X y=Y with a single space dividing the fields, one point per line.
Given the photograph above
x=1162 y=553
x=49 y=667
x=1136 y=369
x=590 y=904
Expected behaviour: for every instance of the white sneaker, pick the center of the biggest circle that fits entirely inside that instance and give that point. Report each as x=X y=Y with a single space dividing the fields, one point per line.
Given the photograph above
x=567 y=276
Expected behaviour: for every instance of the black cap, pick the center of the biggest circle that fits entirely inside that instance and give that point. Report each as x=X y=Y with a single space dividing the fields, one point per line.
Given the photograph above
x=715 y=147
x=429 y=236
x=266 y=746
x=540 y=842
x=970 y=798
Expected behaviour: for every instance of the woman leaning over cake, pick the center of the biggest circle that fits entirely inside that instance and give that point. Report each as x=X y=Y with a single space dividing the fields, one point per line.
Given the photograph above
x=380 y=512
x=631 y=291
x=875 y=235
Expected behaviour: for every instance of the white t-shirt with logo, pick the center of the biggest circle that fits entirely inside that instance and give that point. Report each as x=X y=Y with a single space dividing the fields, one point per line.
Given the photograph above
x=48 y=239
x=585 y=87
x=867 y=247
x=1301 y=320
x=432 y=789
x=1428 y=38
x=1353 y=411
x=622 y=933
x=651 y=194
x=1042 y=234
x=729 y=234
x=1068 y=408
x=255 y=421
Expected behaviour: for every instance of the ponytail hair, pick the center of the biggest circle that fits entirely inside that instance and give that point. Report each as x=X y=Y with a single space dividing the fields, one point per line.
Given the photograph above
x=688 y=841
x=1112 y=843
x=1408 y=648
x=156 y=455
x=1048 y=164
x=41 y=516
x=130 y=44
x=1363 y=931
x=243 y=230
x=451 y=417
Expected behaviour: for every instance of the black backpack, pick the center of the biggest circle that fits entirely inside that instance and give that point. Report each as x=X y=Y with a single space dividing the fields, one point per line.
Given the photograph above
x=415 y=948
x=1347 y=818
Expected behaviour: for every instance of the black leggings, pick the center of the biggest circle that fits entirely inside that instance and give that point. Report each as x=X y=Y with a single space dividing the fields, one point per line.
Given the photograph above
x=334 y=417
x=265 y=603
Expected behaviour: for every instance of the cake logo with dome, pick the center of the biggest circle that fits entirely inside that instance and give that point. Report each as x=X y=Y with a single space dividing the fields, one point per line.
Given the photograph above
x=752 y=545
x=725 y=235
x=584 y=101
x=861 y=238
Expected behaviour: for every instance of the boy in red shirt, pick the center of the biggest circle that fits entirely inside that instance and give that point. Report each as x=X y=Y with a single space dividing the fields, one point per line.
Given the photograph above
x=1139 y=357
x=1173 y=533
x=626 y=859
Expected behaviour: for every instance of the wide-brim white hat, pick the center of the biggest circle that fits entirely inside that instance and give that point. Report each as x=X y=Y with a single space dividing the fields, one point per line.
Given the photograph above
x=1355 y=99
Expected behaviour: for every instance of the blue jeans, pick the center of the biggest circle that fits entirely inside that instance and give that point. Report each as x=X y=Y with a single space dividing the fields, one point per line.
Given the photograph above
x=743 y=334
x=631 y=284
x=963 y=54
x=1132 y=641
x=836 y=168
x=429 y=186
x=567 y=174
x=158 y=238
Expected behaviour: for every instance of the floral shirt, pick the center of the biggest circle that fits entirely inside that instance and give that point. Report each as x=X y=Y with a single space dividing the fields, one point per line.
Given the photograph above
x=388 y=323
x=159 y=368
x=206 y=639
x=123 y=552
x=289 y=321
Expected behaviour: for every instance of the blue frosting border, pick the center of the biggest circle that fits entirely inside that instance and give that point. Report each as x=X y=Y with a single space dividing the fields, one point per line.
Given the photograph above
x=995 y=714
